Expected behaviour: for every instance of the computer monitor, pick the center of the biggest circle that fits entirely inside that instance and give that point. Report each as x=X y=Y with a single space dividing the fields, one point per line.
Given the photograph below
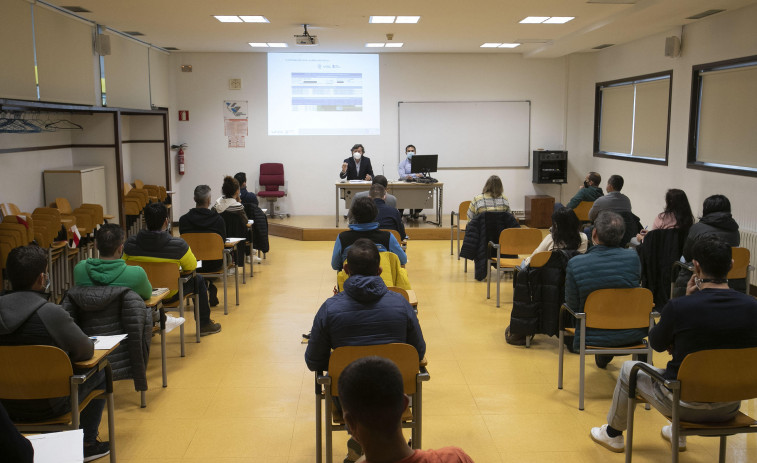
x=424 y=163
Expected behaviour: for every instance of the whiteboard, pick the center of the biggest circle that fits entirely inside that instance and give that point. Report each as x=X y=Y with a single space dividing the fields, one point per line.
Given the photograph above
x=468 y=134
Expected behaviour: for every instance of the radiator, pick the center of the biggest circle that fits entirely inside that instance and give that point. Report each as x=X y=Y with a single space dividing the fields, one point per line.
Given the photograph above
x=749 y=241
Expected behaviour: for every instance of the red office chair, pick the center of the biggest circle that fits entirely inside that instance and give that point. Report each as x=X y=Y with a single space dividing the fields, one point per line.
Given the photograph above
x=271 y=178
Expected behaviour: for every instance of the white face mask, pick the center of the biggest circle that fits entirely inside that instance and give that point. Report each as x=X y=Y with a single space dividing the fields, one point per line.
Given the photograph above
x=357 y=155
x=410 y=154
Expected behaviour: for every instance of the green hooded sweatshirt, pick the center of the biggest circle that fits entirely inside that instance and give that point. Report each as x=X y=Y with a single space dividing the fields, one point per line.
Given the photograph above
x=99 y=272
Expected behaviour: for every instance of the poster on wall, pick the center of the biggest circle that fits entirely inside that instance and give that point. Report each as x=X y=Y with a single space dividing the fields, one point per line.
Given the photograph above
x=235 y=122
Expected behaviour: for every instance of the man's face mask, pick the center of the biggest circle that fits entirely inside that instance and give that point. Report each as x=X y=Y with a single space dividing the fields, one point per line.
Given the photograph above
x=586 y=184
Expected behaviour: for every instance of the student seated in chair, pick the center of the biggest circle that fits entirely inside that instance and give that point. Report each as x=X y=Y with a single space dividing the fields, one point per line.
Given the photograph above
x=203 y=219
x=390 y=200
x=27 y=318
x=590 y=191
x=156 y=245
x=373 y=399
x=365 y=313
x=711 y=316
x=362 y=217
x=244 y=195
x=388 y=217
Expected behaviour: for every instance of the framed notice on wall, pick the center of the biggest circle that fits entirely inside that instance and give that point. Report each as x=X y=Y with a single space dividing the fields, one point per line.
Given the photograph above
x=235 y=122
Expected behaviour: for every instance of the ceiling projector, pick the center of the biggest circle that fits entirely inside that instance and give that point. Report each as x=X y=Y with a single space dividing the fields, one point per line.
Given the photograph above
x=306 y=40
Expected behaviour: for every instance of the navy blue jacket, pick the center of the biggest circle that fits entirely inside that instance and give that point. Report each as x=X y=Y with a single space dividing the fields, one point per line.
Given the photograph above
x=389 y=218
x=602 y=267
x=366 y=313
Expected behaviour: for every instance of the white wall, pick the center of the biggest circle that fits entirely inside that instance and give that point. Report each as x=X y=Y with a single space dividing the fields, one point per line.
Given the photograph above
x=723 y=36
x=312 y=164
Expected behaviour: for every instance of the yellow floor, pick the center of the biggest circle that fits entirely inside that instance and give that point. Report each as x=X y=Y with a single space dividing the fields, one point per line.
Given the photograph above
x=245 y=395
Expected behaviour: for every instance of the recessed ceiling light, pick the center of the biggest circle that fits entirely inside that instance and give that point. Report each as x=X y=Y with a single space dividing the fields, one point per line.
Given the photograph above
x=534 y=19
x=509 y=45
x=76 y=9
x=229 y=19
x=170 y=48
x=394 y=44
x=133 y=33
x=407 y=19
x=603 y=46
x=704 y=14
x=374 y=45
x=559 y=19
x=277 y=45
x=258 y=44
x=254 y=19
x=490 y=45
x=381 y=19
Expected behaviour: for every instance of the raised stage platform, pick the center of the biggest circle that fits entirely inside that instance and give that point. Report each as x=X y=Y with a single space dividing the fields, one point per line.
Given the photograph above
x=321 y=228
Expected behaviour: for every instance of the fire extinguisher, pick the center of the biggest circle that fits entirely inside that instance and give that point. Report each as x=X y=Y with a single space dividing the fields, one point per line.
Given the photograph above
x=180 y=156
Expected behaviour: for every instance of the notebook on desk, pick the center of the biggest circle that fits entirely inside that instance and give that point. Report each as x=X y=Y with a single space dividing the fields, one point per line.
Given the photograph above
x=159 y=291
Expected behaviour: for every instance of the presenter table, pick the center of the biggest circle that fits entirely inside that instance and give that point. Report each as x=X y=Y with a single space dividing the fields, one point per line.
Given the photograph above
x=409 y=196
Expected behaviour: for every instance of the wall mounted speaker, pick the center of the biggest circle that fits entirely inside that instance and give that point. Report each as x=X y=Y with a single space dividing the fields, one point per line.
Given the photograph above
x=672 y=46
x=102 y=44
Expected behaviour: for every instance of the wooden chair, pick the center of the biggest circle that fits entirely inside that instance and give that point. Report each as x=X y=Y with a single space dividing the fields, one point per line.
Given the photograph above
x=413 y=372
x=537 y=261
x=138 y=183
x=210 y=246
x=607 y=309
x=400 y=240
x=741 y=269
x=512 y=241
x=582 y=211
x=718 y=375
x=9 y=209
x=166 y=275
x=458 y=226
x=45 y=372
x=408 y=294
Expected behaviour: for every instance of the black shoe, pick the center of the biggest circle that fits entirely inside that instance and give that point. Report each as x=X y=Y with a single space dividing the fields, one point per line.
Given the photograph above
x=95 y=450
x=514 y=339
x=602 y=360
x=209 y=327
x=306 y=335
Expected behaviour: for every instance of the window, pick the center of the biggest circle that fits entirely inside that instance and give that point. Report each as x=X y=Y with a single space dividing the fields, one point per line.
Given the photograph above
x=722 y=135
x=632 y=118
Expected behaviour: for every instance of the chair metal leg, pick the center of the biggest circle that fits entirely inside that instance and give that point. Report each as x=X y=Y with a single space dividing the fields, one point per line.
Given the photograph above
x=181 y=314
x=318 y=423
x=236 y=281
x=225 y=288
x=465 y=266
x=196 y=303
x=418 y=415
x=499 y=277
x=163 y=352
x=458 y=241
x=722 y=448
x=112 y=427
x=629 y=431
x=451 y=234
x=560 y=351
x=327 y=425
x=143 y=403
x=488 y=279
x=582 y=366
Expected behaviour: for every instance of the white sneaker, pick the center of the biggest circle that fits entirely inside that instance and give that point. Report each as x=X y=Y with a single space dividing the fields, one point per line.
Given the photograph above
x=614 y=444
x=256 y=259
x=231 y=271
x=247 y=259
x=173 y=322
x=667 y=434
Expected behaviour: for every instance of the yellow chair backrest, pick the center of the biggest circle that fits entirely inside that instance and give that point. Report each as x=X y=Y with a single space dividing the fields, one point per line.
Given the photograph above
x=582 y=210
x=399 y=290
x=63 y=206
x=403 y=355
x=619 y=308
x=462 y=210
x=9 y=209
x=540 y=259
x=519 y=240
x=740 y=258
x=34 y=372
x=719 y=375
x=395 y=233
x=160 y=274
x=139 y=184
x=127 y=188
x=205 y=246
x=97 y=212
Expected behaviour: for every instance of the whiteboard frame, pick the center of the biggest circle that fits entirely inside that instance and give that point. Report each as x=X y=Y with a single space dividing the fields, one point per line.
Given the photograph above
x=528 y=155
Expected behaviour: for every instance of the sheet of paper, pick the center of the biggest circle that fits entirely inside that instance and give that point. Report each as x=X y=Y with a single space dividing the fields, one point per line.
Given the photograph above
x=360 y=181
x=58 y=447
x=234 y=240
x=250 y=222
x=107 y=342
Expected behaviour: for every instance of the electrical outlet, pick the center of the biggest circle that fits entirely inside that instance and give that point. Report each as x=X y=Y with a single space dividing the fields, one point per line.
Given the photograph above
x=235 y=84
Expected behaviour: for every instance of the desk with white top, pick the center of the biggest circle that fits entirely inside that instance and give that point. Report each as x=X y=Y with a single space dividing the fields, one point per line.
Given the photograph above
x=410 y=195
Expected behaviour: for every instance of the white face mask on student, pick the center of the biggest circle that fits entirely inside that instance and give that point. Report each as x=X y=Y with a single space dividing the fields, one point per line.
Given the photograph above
x=357 y=155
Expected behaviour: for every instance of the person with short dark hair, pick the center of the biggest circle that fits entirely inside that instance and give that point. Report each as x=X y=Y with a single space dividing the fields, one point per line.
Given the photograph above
x=110 y=269
x=28 y=318
x=362 y=218
x=605 y=265
x=491 y=199
x=156 y=245
x=388 y=217
x=405 y=173
x=614 y=200
x=710 y=316
x=203 y=219
x=357 y=166
x=590 y=191
x=372 y=399
x=365 y=313
x=716 y=220
x=244 y=195
x=391 y=200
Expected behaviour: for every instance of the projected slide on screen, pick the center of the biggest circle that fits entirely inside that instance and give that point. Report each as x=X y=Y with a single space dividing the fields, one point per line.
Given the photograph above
x=323 y=94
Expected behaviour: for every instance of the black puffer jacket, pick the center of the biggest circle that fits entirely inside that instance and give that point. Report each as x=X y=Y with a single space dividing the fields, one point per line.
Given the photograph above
x=109 y=310
x=657 y=253
x=259 y=227
x=537 y=296
x=479 y=231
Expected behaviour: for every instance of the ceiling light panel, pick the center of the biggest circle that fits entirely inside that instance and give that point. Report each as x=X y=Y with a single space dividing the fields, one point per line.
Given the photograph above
x=229 y=19
x=407 y=19
x=534 y=19
x=381 y=19
x=559 y=19
x=394 y=45
x=508 y=45
x=490 y=45
x=374 y=45
x=254 y=19
x=258 y=44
